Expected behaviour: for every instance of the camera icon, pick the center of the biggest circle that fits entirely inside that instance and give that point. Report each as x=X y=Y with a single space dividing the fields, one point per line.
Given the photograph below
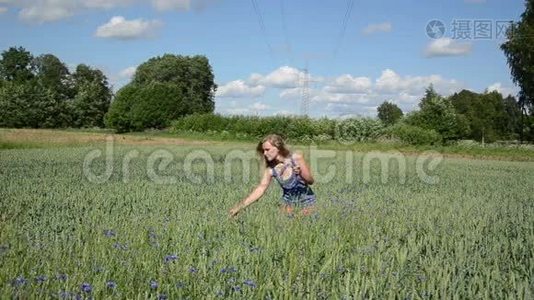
x=435 y=29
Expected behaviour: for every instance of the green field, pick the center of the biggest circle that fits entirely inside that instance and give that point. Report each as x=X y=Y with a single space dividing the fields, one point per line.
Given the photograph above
x=158 y=227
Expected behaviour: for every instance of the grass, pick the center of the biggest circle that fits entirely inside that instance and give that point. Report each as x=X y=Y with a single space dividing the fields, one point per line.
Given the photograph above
x=153 y=222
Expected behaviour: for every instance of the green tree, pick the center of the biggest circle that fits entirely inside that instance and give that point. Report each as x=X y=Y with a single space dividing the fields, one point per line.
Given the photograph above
x=53 y=74
x=16 y=65
x=164 y=89
x=437 y=113
x=156 y=105
x=29 y=104
x=192 y=75
x=40 y=92
x=31 y=94
x=489 y=115
x=389 y=113
x=520 y=56
x=119 y=113
x=92 y=97
x=511 y=121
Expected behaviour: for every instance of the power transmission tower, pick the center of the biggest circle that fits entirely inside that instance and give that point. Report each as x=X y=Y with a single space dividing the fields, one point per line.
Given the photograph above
x=305 y=93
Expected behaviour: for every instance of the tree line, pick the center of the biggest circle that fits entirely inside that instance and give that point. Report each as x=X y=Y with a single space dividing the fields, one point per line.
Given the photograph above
x=41 y=92
x=487 y=116
x=484 y=117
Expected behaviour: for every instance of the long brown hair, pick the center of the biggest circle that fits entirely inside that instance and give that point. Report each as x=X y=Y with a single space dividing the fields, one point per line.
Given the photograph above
x=275 y=140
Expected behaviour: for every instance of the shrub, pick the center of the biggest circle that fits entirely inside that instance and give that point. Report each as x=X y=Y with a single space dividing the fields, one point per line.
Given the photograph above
x=414 y=135
x=358 y=130
x=302 y=129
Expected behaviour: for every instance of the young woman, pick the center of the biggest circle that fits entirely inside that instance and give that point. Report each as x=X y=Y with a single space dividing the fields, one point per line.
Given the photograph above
x=291 y=172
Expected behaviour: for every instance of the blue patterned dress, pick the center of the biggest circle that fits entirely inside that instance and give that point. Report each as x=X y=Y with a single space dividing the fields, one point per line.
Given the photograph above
x=296 y=191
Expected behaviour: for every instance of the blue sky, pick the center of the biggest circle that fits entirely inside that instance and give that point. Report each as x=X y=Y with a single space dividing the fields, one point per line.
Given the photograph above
x=357 y=53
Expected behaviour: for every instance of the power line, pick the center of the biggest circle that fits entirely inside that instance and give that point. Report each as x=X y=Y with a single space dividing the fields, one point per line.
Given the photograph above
x=262 y=26
x=346 y=18
x=284 y=28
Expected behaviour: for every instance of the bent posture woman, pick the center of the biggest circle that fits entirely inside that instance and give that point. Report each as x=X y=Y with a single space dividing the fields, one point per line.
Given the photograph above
x=291 y=172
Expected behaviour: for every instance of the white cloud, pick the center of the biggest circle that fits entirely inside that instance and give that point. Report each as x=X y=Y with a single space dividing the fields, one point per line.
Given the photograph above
x=447 y=47
x=239 y=89
x=237 y=111
x=374 y=28
x=342 y=98
x=41 y=11
x=258 y=106
x=48 y=10
x=346 y=84
x=180 y=5
x=283 y=113
x=120 y=28
x=392 y=83
x=128 y=72
x=359 y=95
x=163 y=5
x=345 y=110
x=504 y=90
x=53 y=10
x=405 y=98
x=294 y=93
x=106 y=4
x=3 y=10
x=283 y=77
x=243 y=109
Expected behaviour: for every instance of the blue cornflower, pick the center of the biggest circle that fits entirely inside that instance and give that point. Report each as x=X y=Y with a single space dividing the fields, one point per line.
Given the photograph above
x=3 y=248
x=64 y=294
x=62 y=277
x=120 y=246
x=249 y=283
x=109 y=233
x=170 y=258
x=236 y=288
x=228 y=270
x=153 y=239
x=162 y=297
x=220 y=293
x=153 y=284
x=86 y=287
x=180 y=284
x=152 y=235
x=193 y=270
x=19 y=281
x=111 y=285
x=40 y=279
x=254 y=249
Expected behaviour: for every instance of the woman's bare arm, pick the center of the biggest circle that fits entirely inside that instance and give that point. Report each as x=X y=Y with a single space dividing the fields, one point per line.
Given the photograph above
x=255 y=195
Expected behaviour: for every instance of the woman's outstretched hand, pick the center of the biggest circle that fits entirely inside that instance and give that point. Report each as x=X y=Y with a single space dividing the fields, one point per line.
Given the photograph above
x=233 y=212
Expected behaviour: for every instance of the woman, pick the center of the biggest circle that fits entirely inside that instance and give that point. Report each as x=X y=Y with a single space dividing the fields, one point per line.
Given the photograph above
x=291 y=172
